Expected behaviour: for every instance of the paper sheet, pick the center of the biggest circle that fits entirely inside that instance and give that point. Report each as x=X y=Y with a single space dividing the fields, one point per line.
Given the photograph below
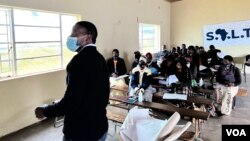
x=202 y=67
x=175 y=96
x=213 y=70
x=171 y=79
x=120 y=77
x=159 y=77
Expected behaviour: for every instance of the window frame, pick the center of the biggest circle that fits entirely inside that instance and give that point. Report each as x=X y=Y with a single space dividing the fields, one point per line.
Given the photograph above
x=12 y=43
x=154 y=37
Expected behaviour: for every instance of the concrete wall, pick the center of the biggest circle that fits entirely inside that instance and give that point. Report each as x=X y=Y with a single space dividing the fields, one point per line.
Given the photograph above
x=189 y=16
x=20 y=96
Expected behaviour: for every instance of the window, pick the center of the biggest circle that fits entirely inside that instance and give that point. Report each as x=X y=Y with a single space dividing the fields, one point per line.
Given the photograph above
x=33 y=41
x=149 y=38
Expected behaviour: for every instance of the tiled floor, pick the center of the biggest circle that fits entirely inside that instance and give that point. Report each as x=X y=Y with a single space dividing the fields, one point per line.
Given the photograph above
x=44 y=130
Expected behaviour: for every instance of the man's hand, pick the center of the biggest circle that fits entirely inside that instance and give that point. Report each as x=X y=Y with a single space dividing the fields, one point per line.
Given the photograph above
x=230 y=84
x=136 y=90
x=142 y=90
x=39 y=112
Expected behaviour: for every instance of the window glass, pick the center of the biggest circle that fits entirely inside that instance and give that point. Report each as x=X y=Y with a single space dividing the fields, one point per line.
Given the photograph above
x=28 y=50
x=149 y=38
x=33 y=41
x=67 y=21
x=34 y=34
x=35 y=18
x=35 y=65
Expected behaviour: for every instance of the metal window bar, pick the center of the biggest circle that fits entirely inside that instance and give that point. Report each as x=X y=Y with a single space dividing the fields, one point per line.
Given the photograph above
x=11 y=41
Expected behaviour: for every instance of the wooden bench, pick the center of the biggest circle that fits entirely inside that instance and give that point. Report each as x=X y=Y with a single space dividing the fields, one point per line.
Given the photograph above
x=116 y=118
x=164 y=107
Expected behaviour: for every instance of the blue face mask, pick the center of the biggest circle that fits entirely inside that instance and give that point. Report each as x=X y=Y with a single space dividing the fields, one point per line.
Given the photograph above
x=72 y=44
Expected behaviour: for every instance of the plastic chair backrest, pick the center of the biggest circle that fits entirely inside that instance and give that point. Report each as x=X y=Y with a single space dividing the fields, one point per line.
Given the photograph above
x=178 y=131
x=169 y=126
x=247 y=57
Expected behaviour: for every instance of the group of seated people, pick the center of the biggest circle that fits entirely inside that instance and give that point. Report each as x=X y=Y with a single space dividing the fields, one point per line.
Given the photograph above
x=184 y=64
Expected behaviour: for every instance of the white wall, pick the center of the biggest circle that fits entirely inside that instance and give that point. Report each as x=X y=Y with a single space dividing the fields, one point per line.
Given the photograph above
x=20 y=96
x=189 y=16
x=117 y=23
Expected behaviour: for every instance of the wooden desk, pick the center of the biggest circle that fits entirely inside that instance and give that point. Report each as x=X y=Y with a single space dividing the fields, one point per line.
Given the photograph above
x=157 y=97
x=207 y=93
x=165 y=108
x=198 y=116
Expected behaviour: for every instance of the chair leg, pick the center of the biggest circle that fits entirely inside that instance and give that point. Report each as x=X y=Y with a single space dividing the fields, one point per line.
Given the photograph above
x=245 y=73
x=234 y=102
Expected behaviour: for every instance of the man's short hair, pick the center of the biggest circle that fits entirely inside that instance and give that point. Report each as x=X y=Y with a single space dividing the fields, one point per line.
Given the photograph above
x=211 y=47
x=229 y=58
x=90 y=29
x=137 y=55
x=116 y=50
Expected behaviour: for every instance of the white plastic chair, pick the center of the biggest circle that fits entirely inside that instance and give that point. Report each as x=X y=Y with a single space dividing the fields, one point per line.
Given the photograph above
x=178 y=131
x=151 y=129
x=169 y=126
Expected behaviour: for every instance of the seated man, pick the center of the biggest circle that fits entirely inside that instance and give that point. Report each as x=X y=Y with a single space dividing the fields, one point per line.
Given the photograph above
x=136 y=61
x=228 y=79
x=116 y=65
x=160 y=55
x=141 y=79
x=152 y=65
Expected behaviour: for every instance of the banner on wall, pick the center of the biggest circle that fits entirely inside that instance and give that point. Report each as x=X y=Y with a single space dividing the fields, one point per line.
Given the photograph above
x=227 y=34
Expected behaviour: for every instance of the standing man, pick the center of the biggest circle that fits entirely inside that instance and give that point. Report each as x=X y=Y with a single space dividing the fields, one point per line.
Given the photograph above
x=116 y=65
x=87 y=94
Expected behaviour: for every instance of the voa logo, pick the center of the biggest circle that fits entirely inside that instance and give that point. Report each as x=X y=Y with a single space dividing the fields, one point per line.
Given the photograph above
x=223 y=34
x=236 y=132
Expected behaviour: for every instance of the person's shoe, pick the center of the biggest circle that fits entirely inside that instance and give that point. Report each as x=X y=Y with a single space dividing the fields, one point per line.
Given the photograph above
x=212 y=111
x=219 y=114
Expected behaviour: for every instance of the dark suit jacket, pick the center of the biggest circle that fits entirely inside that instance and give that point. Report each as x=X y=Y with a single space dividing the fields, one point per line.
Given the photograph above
x=120 y=66
x=86 y=97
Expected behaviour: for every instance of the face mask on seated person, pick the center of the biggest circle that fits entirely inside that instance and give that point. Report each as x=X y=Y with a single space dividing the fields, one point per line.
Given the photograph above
x=72 y=44
x=115 y=57
x=142 y=65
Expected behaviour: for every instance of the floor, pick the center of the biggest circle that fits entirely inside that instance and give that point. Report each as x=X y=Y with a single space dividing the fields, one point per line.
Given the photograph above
x=45 y=131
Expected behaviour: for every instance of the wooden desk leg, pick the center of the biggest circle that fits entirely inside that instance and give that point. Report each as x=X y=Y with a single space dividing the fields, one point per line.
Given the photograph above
x=198 y=127
x=199 y=123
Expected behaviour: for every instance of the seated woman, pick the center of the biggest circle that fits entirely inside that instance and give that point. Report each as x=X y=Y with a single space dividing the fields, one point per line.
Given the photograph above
x=141 y=79
x=183 y=77
x=168 y=66
x=183 y=73
x=228 y=78
x=193 y=58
